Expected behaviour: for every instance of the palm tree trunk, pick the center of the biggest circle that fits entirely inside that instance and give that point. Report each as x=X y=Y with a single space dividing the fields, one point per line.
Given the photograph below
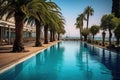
x=87 y=20
x=58 y=36
x=110 y=36
x=46 y=34
x=80 y=35
x=38 y=32
x=103 y=37
x=51 y=36
x=18 y=42
x=118 y=41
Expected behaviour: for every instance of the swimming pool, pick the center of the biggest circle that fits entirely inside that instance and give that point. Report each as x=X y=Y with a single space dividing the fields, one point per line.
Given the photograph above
x=68 y=60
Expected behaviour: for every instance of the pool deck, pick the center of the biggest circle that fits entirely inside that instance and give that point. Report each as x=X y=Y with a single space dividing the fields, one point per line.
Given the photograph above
x=9 y=59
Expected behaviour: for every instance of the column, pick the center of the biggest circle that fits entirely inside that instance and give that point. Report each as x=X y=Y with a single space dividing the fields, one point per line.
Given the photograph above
x=9 y=34
x=11 y=39
x=6 y=33
x=2 y=33
x=26 y=33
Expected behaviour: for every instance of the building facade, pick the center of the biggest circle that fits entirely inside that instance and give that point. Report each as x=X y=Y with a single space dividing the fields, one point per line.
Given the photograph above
x=7 y=31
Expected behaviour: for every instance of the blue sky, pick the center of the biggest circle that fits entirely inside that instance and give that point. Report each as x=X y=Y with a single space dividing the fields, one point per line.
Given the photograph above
x=72 y=8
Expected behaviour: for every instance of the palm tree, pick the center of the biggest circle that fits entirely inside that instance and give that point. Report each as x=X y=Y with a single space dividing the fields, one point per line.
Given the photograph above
x=89 y=12
x=46 y=34
x=33 y=21
x=51 y=8
x=18 y=10
x=45 y=19
x=40 y=19
x=52 y=23
x=61 y=29
x=52 y=29
x=79 y=23
x=38 y=33
x=94 y=30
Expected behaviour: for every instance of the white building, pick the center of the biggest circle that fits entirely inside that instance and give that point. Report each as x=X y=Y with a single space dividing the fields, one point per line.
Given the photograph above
x=7 y=31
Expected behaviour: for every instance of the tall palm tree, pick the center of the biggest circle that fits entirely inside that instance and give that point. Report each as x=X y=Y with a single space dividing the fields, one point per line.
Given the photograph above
x=38 y=33
x=52 y=23
x=42 y=16
x=52 y=33
x=56 y=26
x=61 y=29
x=89 y=12
x=79 y=23
x=94 y=30
x=41 y=21
x=45 y=19
x=18 y=10
x=39 y=25
x=46 y=34
x=54 y=13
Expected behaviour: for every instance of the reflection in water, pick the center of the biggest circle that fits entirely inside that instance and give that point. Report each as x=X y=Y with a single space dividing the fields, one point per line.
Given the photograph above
x=112 y=62
x=84 y=64
x=88 y=71
x=11 y=74
x=50 y=63
x=103 y=56
x=110 y=59
x=79 y=56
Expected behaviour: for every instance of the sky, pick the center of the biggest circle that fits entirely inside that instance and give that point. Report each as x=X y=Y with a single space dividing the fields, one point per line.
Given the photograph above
x=72 y=8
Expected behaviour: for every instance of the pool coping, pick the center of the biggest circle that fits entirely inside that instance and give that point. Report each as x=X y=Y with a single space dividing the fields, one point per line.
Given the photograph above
x=100 y=47
x=13 y=64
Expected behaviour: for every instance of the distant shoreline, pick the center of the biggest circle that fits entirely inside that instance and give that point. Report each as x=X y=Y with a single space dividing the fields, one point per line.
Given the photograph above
x=96 y=38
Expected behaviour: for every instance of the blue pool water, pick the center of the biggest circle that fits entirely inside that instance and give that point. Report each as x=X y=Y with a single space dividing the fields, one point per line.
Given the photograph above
x=68 y=60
